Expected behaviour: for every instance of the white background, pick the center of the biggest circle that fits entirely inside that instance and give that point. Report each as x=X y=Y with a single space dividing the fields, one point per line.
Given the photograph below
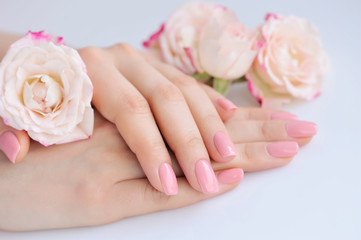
x=317 y=196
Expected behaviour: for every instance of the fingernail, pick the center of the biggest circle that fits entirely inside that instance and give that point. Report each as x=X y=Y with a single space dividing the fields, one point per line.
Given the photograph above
x=282 y=149
x=206 y=177
x=283 y=116
x=168 y=179
x=9 y=144
x=224 y=146
x=301 y=129
x=226 y=104
x=230 y=176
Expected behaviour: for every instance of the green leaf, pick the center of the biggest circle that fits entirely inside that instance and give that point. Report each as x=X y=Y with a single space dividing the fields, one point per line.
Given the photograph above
x=201 y=76
x=221 y=85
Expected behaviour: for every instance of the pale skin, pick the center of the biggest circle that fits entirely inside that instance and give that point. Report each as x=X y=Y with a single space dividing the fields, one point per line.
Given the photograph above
x=99 y=181
x=148 y=100
x=83 y=183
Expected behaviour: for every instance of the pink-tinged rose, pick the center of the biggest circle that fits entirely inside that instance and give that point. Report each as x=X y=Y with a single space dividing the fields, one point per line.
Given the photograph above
x=45 y=90
x=177 y=40
x=227 y=50
x=291 y=62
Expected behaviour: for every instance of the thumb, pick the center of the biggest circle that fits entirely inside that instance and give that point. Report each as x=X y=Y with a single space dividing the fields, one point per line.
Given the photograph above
x=225 y=108
x=13 y=143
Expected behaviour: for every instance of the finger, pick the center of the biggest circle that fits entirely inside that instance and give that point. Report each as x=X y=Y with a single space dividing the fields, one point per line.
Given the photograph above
x=225 y=108
x=211 y=126
x=13 y=143
x=143 y=198
x=261 y=156
x=173 y=118
x=263 y=114
x=242 y=131
x=120 y=102
x=253 y=157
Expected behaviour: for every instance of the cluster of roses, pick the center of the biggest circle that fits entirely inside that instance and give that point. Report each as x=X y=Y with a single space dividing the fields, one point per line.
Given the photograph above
x=282 y=60
x=45 y=90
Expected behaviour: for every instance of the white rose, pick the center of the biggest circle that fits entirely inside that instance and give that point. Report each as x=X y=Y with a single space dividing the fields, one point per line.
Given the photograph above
x=226 y=51
x=177 y=39
x=45 y=90
x=291 y=62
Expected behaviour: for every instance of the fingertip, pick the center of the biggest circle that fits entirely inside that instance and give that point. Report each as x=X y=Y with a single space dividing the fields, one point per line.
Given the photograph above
x=24 y=142
x=225 y=147
x=230 y=176
x=305 y=141
x=168 y=179
x=14 y=144
x=10 y=145
x=225 y=108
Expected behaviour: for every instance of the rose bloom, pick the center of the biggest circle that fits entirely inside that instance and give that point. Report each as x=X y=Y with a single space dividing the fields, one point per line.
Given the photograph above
x=205 y=37
x=45 y=90
x=291 y=62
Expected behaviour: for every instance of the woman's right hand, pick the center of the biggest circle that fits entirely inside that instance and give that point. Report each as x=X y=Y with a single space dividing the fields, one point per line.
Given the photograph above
x=100 y=180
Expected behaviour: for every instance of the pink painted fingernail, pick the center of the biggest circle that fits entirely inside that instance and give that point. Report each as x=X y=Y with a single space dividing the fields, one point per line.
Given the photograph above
x=230 y=176
x=226 y=104
x=206 y=177
x=10 y=145
x=282 y=149
x=168 y=179
x=300 y=129
x=224 y=146
x=283 y=116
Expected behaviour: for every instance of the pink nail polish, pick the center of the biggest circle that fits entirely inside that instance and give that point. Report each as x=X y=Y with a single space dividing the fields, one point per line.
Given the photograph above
x=206 y=177
x=282 y=149
x=224 y=146
x=230 y=176
x=9 y=144
x=168 y=179
x=300 y=129
x=226 y=104
x=283 y=116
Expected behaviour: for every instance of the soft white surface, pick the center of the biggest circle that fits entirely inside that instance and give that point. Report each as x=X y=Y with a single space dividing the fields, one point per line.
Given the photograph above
x=317 y=196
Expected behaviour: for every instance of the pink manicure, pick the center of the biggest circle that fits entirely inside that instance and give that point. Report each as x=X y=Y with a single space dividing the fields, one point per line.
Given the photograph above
x=226 y=104
x=283 y=116
x=168 y=179
x=224 y=146
x=9 y=144
x=282 y=149
x=230 y=176
x=206 y=177
x=301 y=129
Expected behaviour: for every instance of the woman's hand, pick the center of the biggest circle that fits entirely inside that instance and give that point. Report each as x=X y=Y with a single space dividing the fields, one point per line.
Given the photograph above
x=100 y=181
x=148 y=101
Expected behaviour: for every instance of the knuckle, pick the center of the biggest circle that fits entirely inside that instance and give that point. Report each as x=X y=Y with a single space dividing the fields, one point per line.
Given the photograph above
x=125 y=48
x=91 y=193
x=248 y=153
x=92 y=54
x=194 y=142
x=265 y=130
x=183 y=80
x=135 y=104
x=168 y=92
x=212 y=119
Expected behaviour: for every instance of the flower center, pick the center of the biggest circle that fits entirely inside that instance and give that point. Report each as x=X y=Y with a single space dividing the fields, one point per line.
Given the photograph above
x=42 y=94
